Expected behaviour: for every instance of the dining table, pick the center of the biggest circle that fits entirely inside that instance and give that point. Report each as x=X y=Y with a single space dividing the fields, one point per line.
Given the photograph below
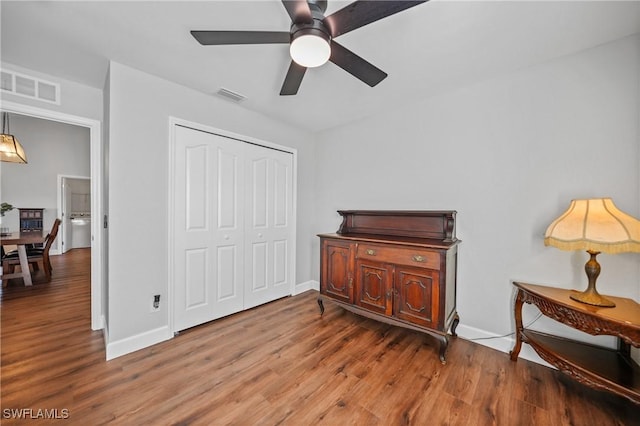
x=22 y=239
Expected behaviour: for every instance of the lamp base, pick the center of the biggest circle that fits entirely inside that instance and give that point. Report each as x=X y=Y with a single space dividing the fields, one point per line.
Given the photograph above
x=591 y=296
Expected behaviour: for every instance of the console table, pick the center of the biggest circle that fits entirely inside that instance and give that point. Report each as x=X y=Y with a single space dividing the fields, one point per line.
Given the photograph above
x=397 y=267
x=601 y=368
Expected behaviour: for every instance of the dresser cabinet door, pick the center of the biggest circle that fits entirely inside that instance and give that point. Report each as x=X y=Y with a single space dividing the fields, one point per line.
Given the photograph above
x=374 y=286
x=337 y=270
x=417 y=296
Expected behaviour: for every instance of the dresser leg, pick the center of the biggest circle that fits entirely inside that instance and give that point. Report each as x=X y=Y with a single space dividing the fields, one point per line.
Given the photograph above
x=517 y=312
x=454 y=325
x=321 y=304
x=444 y=343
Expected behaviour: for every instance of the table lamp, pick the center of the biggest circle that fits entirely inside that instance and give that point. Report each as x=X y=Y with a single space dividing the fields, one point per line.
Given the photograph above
x=595 y=225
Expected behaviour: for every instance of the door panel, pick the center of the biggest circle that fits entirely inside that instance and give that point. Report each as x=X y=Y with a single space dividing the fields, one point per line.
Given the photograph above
x=259 y=257
x=226 y=237
x=209 y=176
x=281 y=263
x=196 y=187
x=227 y=261
x=228 y=170
x=374 y=286
x=418 y=296
x=269 y=198
x=196 y=278
x=281 y=194
x=336 y=279
x=259 y=192
x=282 y=239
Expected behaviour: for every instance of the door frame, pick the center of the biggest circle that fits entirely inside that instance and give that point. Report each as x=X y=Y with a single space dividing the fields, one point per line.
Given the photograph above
x=95 y=143
x=173 y=122
x=61 y=179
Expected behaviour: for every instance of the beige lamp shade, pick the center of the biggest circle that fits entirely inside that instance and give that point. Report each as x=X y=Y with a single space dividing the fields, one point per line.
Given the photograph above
x=11 y=151
x=594 y=224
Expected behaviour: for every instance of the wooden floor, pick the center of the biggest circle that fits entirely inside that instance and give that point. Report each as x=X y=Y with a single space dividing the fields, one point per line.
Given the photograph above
x=276 y=364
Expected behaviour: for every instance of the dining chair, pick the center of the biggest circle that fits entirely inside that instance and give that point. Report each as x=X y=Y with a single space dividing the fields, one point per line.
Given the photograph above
x=34 y=255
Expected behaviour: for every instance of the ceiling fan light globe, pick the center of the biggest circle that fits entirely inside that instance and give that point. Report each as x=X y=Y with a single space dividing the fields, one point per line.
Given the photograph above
x=310 y=51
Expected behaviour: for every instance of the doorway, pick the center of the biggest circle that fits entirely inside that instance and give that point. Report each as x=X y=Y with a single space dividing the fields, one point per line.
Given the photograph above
x=74 y=205
x=98 y=233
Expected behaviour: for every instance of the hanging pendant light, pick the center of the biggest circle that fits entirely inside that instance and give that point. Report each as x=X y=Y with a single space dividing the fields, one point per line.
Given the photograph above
x=10 y=149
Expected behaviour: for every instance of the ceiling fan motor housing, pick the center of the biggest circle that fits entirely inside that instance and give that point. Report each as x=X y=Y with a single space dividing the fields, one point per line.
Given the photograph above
x=306 y=29
x=316 y=27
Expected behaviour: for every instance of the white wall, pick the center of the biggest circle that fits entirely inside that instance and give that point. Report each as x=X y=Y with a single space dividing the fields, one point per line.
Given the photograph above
x=508 y=154
x=139 y=111
x=52 y=148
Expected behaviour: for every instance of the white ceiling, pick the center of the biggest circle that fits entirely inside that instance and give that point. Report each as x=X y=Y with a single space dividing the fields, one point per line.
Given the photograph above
x=428 y=49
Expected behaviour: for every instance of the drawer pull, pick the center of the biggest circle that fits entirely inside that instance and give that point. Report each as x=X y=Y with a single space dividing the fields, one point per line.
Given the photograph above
x=418 y=258
x=371 y=252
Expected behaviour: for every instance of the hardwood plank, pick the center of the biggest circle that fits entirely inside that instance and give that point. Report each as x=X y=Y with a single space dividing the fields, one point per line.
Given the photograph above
x=281 y=363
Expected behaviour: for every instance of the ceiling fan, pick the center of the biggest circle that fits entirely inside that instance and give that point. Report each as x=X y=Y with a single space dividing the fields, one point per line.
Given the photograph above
x=312 y=37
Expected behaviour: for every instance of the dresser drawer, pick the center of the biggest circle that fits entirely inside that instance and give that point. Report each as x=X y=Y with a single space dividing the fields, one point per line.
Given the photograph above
x=399 y=255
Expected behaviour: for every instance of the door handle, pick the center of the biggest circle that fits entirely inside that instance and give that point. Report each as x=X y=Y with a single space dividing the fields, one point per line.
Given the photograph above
x=371 y=252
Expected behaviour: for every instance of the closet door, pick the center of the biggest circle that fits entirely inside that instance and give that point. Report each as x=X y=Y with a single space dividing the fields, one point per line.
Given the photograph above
x=268 y=225
x=209 y=221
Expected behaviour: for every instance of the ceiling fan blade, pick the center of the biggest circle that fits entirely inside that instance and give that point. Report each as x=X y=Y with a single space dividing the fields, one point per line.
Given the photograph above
x=241 y=37
x=355 y=65
x=293 y=79
x=361 y=13
x=298 y=10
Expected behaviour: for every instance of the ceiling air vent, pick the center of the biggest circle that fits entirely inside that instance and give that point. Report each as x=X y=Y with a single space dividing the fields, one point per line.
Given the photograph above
x=228 y=94
x=29 y=87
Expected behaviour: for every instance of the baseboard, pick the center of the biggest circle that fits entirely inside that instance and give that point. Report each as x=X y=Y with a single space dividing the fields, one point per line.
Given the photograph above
x=308 y=285
x=137 y=342
x=499 y=343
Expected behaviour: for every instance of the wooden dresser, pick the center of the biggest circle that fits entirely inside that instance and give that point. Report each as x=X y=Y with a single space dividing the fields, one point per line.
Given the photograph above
x=398 y=267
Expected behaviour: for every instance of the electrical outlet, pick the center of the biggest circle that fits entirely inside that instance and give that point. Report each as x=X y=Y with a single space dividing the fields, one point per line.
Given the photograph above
x=155 y=303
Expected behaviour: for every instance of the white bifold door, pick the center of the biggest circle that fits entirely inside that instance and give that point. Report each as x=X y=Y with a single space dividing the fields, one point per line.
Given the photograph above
x=233 y=227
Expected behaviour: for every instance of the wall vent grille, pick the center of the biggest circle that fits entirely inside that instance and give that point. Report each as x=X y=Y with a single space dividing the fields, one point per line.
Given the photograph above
x=229 y=94
x=29 y=87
